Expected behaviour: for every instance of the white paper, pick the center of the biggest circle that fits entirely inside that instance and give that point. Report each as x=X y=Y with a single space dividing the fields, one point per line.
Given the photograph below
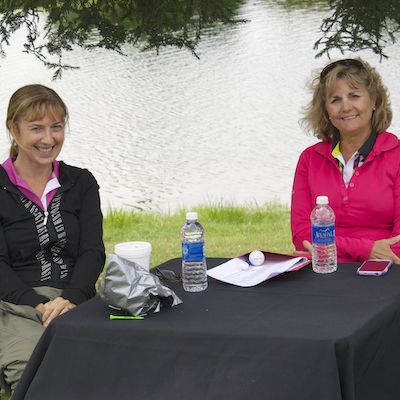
x=232 y=272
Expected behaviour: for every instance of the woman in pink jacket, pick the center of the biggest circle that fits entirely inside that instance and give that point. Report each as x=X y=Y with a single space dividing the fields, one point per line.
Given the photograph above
x=357 y=164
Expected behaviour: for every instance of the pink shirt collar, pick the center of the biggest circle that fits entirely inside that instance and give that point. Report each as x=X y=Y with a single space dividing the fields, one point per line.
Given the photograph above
x=51 y=188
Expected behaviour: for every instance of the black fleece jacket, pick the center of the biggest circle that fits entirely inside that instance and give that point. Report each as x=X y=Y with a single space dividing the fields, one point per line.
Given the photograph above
x=66 y=253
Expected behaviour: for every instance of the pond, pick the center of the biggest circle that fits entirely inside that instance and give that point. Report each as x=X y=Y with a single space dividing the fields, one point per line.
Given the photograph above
x=169 y=131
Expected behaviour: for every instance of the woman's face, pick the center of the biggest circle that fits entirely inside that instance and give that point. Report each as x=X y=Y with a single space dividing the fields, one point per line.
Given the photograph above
x=40 y=141
x=350 y=109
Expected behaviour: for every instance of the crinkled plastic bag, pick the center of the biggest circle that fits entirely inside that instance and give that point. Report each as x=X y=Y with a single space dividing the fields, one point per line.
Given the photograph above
x=130 y=287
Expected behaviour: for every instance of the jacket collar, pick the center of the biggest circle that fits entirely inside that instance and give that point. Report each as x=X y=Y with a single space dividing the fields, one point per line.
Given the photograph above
x=384 y=141
x=5 y=182
x=365 y=149
x=67 y=180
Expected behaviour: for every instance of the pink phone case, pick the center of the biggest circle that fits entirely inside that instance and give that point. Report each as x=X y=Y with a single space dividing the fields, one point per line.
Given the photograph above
x=374 y=267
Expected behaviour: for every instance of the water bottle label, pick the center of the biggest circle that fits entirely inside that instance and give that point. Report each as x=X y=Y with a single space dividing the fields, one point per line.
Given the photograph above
x=193 y=251
x=323 y=234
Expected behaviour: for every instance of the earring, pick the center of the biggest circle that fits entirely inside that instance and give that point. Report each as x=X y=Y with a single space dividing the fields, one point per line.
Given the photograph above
x=14 y=147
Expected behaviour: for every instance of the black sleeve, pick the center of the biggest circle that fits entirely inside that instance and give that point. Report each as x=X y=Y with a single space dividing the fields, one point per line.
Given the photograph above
x=91 y=255
x=12 y=288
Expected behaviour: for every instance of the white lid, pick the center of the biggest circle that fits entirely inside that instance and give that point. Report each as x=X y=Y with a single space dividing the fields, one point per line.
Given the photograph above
x=191 y=216
x=132 y=249
x=322 y=200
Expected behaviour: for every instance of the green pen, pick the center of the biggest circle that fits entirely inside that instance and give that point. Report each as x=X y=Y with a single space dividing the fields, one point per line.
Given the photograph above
x=125 y=317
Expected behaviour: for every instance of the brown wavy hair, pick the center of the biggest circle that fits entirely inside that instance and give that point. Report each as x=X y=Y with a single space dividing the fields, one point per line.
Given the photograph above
x=356 y=72
x=33 y=102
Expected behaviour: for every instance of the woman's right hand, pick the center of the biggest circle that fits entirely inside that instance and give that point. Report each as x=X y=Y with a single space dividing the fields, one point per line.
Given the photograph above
x=54 y=308
x=307 y=245
x=381 y=249
x=41 y=308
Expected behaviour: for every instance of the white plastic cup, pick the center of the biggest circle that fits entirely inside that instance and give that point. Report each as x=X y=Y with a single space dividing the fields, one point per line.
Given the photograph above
x=138 y=252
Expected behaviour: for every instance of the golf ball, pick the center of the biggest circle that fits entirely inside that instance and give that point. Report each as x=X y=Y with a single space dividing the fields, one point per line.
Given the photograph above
x=256 y=257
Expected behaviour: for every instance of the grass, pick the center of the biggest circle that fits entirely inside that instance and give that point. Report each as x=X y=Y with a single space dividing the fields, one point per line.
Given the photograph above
x=230 y=230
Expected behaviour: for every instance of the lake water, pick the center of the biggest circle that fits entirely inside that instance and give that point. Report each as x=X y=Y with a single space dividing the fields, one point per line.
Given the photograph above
x=168 y=131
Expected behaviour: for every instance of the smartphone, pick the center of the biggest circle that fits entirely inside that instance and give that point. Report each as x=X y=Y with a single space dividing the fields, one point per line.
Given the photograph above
x=374 y=267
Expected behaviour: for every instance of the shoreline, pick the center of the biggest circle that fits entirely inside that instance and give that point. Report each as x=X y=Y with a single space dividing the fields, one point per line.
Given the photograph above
x=167 y=210
x=230 y=230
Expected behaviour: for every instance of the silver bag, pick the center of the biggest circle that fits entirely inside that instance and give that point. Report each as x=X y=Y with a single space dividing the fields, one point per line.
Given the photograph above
x=132 y=288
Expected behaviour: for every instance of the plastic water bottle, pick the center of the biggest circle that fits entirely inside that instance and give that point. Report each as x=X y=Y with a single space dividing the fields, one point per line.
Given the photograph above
x=194 y=268
x=324 y=259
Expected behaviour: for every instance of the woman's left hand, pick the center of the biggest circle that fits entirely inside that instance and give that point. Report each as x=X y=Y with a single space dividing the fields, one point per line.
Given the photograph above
x=54 y=308
x=381 y=249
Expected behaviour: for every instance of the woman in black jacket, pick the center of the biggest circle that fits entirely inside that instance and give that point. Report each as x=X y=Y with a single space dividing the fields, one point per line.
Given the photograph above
x=51 y=247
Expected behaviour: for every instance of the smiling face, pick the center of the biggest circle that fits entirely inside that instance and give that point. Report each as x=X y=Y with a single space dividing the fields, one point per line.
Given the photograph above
x=350 y=109
x=39 y=141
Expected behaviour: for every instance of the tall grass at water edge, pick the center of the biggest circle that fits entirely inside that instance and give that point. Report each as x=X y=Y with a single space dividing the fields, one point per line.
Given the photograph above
x=230 y=230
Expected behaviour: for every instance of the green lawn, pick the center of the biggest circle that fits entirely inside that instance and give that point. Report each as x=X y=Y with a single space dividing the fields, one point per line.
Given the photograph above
x=230 y=230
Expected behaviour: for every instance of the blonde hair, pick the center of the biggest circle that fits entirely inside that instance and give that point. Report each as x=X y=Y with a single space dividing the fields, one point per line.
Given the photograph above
x=33 y=102
x=356 y=72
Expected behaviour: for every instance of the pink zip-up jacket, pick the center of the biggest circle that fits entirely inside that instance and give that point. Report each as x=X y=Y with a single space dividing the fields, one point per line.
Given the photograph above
x=366 y=211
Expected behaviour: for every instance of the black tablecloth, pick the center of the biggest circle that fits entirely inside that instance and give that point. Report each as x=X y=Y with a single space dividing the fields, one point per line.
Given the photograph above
x=300 y=336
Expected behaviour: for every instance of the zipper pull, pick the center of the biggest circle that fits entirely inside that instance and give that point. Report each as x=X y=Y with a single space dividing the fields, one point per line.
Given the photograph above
x=46 y=215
